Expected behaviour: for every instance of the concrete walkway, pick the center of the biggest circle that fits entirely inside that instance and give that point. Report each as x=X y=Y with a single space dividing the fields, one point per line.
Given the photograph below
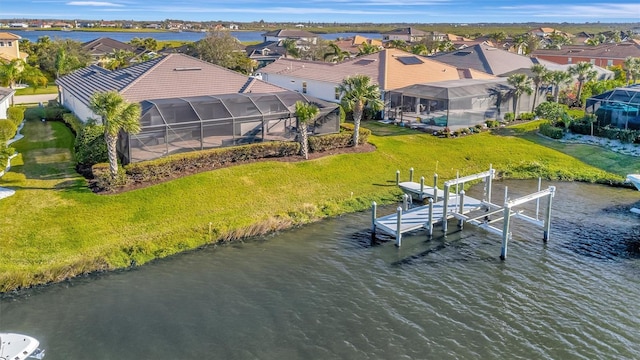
x=34 y=99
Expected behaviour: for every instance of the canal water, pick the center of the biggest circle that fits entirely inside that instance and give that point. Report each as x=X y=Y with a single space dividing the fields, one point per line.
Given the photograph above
x=325 y=291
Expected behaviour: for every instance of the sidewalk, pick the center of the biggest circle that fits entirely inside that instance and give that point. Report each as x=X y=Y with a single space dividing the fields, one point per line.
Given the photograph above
x=34 y=99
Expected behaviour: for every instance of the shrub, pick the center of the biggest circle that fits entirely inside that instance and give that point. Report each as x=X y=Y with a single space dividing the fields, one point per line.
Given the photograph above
x=7 y=130
x=509 y=116
x=103 y=179
x=343 y=115
x=625 y=136
x=166 y=167
x=363 y=137
x=551 y=131
x=16 y=114
x=526 y=116
x=551 y=111
x=73 y=123
x=55 y=113
x=492 y=123
x=576 y=114
x=90 y=147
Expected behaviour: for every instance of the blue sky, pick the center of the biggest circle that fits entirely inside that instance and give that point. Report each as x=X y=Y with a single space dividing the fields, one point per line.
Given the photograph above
x=378 y=11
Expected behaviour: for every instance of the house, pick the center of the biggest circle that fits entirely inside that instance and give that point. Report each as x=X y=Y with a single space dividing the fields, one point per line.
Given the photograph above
x=6 y=99
x=301 y=36
x=18 y=25
x=501 y=62
x=189 y=104
x=389 y=69
x=101 y=47
x=542 y=32
x=234 y=27
x=602 y=55
x=266 y=52
x=352 y=45
x=408 y=34
x=10 y=47
x=618 y=108
x=61 y=24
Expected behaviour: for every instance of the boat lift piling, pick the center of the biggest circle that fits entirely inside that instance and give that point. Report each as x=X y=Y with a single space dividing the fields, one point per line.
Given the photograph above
x=439 y=211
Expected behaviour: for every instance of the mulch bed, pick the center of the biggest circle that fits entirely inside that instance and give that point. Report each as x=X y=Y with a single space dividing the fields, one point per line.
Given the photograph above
x=315 y=155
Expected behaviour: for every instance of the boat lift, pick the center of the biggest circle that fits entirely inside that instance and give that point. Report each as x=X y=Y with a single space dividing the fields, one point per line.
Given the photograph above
x=464 y=208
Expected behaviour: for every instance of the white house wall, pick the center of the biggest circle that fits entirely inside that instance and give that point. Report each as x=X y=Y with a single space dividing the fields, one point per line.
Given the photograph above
x=4 y=105
x=77 y=107
x=319 y=89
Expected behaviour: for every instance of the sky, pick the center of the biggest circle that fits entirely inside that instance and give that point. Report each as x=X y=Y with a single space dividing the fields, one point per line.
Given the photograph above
x=354 y=11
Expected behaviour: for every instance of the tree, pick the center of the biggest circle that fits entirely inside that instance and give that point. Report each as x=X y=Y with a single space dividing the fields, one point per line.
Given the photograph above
x=498 y=37
x=446 y=45
x=532 y=43
x=520 y=43
x=584 y=71
x=419 y=49
x=59 y=57
x=118 y=59
x=558 y=78
x=398 y=44
x=117 y=115
x=521 y=85
x=557 y=40
x=291 y=48
x=7 y=132
x=305 y=112
x=632 y=67
x=539 y=75
x=218 y=47
x=366 y=49
x=34 y=77
x=335 y=54
x=597 y=40
x=10 y=72
x=358 y=92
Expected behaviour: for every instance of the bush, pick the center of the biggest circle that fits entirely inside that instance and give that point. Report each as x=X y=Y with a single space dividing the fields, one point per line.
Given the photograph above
x=90 y=147
x=16 y=114
x=55 y=113
x=7 y=130
x=103 y=179
x=343 y=115
x=551 y=131
x=492 y=123
x=363 y=138
x=509 y=116
x=551 y=111
x=73 y=123
x=167 y=167
x=526 y=116
x=625 y=136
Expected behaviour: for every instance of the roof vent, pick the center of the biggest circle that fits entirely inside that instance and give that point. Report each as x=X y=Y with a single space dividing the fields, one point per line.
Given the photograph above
x=187 y=68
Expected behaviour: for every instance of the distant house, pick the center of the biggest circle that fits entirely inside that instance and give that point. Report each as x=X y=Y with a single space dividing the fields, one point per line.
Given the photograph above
x=189 y=104
x=408 y=34
x=266 y=52
x=6 y=99
x=352 y=45
x=101 y=47
x=18 y=25
x=10 y=47
x=602 y=55
x=389 y=68
x=284 y=34
x=61 y=24
x=234 y=27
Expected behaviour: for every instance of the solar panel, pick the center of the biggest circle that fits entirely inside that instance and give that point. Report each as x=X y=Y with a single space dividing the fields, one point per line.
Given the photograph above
x=364 y=62
x=409 y=60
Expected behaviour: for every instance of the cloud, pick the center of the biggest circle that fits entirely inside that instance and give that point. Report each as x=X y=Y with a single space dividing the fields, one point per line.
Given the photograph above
x=93 y=3
x=595 y=11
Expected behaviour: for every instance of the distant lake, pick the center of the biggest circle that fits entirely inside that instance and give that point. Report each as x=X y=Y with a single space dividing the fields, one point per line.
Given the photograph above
x=84 y=36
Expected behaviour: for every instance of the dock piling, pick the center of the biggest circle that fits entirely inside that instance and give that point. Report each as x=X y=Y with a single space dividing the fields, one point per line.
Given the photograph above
x=374 y=216
x=445 y=208
x=411 y=175
x=397 y=177
x=461 y=210
x=399 y=227
x=505 y=231
x=421 y=185
x=405 y=202
x=430 y=219
x=547 y=217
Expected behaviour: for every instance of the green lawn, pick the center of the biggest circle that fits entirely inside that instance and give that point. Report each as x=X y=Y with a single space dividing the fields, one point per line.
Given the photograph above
x=51 y=88
x=54 y=227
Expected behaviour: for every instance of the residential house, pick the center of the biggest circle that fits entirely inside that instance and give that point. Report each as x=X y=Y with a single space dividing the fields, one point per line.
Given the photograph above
x=6 y=99
x=10 y=47
x=61 y=24
x=408 y=34
x=40 y=24
x=602 y=55
x=301 y=36
x=542 y=32
x=19 y=25
x=266 y=52
x=189 y=104
x=234 y=27
x=501 y=62
x=100 y=48
x=352 y=45
x=389 y=68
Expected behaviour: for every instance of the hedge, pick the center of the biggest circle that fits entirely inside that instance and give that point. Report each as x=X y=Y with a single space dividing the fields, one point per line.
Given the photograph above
x=551 y=131
x=73 y=123
x=7 y=131
x=16 y=114
x=336 y=141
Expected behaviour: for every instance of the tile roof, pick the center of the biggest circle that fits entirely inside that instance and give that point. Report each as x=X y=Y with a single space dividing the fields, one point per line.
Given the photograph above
x=290 y=33
x=608 y=51
x=405 y=31
x=173 y=75
x=9 y=36
x=104 y=45
x=389 y=68
x=5 y=93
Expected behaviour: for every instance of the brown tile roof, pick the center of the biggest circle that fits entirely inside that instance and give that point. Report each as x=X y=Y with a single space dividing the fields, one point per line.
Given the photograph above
x=9 y=36
x=173 y=75
x=607 y=51
x=389 y=68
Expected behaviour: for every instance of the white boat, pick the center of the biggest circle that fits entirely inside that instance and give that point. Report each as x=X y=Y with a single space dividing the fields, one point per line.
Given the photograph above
x=634 y=179
x=19 y=347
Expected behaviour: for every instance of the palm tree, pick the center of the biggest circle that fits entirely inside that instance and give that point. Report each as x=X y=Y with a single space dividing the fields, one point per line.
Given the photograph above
x=366 y=49
x=358 y=92
x=557 y=40
x=521 y=84
x=446 y=46
x=117 y=114
x=398 y=44
x=10 y=72
x=498 y=37
x=291 y=48
x=632 y=67
x=336 y=54
x=558 y=78
x=419 y=49
x=305 y=112
x=34 y=77
x=584 y=71
x=539 y=75
x=118 y=59
x=520 y=43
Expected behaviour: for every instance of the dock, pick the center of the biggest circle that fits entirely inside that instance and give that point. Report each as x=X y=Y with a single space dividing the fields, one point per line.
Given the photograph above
x=444 y=205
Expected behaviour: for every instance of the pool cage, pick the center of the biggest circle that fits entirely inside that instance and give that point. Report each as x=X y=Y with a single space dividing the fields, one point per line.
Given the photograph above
x=454 y=103
x=618 y=108
x=177 y=125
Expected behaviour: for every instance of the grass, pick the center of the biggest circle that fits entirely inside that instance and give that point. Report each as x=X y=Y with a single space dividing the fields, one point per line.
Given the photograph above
x=51 y=88
x=54 y=227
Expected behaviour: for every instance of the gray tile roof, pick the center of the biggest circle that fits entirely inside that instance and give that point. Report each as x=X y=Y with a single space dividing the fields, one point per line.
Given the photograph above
x=5 y=93
x=104 y=45
x=405 y=31
x=607 y=51
x=169 y=76
x=292 y=34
